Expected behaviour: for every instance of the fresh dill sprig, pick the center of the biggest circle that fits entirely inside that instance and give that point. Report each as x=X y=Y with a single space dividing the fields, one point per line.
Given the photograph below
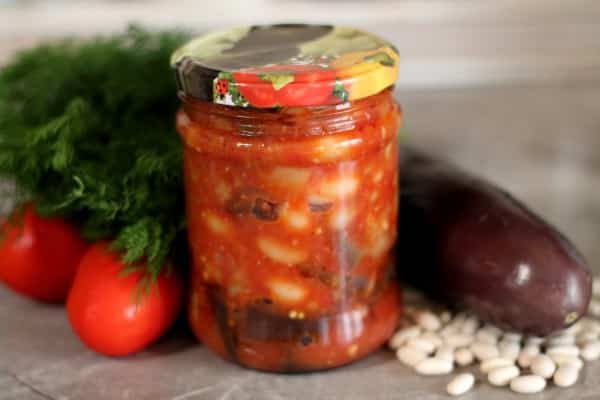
x=87 y=133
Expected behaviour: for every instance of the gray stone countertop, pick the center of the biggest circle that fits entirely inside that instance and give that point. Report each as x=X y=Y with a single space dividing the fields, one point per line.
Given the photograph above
x=542 y=143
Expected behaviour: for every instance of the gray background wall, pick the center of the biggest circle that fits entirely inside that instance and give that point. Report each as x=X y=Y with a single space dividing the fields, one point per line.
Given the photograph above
x=444 y=43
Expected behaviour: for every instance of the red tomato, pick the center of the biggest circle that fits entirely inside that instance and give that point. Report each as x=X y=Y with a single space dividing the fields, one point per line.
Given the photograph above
x=257 y=92
x=305 y=94
x=39 y=256
x=311 y=85
x=108 y=311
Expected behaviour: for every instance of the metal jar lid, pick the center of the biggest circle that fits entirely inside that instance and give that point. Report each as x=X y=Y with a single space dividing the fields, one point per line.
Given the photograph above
x=285 y=66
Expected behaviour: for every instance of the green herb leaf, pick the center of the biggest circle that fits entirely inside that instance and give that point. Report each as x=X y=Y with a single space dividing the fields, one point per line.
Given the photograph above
x=278 y=80
x=86 y=132
x=340 y=91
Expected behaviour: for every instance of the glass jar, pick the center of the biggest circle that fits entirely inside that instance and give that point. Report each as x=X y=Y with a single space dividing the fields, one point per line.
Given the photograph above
x=292 y=216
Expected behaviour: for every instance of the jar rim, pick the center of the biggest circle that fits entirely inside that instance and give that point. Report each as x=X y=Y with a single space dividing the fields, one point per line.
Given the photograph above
x=339 y=117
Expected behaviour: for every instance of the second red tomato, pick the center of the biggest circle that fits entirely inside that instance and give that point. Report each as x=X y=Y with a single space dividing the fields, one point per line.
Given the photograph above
x=110 y=311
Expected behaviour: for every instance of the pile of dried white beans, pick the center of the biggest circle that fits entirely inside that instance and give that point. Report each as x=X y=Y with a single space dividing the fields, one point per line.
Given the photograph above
x=434 y=343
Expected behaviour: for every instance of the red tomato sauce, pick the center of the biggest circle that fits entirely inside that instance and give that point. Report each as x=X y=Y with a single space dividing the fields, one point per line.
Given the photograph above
x=291 y=218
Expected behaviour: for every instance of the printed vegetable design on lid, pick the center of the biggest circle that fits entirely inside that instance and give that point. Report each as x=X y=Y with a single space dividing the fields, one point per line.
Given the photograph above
x=285 y=65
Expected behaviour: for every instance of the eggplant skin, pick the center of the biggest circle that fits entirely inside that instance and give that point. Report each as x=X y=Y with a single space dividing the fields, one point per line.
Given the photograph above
x=468 y=243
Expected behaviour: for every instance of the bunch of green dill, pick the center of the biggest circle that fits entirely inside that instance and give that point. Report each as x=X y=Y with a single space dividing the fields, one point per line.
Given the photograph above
x=87 y=133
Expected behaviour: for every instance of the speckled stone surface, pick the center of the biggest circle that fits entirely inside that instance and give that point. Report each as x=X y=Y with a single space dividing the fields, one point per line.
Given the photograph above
x=542 y=143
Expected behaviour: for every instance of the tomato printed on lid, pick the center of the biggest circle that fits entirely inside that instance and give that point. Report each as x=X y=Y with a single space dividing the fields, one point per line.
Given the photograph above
x=285 y=66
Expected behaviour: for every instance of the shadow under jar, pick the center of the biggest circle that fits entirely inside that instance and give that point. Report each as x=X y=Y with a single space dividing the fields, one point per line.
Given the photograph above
x=292 y=216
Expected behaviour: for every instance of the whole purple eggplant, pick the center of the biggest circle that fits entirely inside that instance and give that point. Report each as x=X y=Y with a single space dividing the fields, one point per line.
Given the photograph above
x=466 y=241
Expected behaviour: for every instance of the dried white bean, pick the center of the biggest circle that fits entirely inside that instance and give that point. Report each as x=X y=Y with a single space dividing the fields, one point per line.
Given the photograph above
x=434 y=366
x=470 y=326
x=567 y=350
x=503 y=375
x=509 y=349
x=445 y=352
x=543 y=366
x=456 y=324
x=463 y=357
x=484 y=351
x=528 y=384
x=438 y=339
x=560 y=340
x=460 y=384
x=575 y=328
x=428 y=321
x=493 y=363
x=596 y=286
x=561 y=359
x=527 y=354
x=587 y=336
x=566 y=375
x=459 y=318
x=485 y=336
x=594 y=308
x=445 y=316
x=404 y=335
x=512 y=336
x=534 y=341
x=448 y=330
x=433 y=338
x=422 y=344
x=591 y=351
x=457 y=328
x=410 y=356
x=458 y=340
x=591 y=325
x=493 y=330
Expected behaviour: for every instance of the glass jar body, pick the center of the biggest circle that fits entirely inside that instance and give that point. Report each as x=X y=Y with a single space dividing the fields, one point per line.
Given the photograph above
x=291 y=221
